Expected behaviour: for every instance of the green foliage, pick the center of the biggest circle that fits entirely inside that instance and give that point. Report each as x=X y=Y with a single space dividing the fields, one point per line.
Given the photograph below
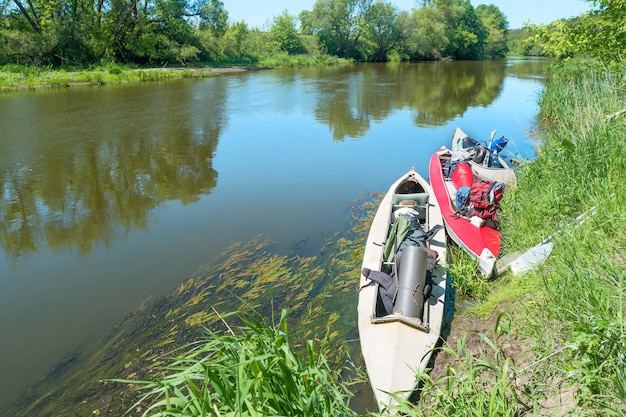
x=601 y=33
x=234 y=39
x=339 y=25
x=251 y=372
x=464 y=29
x=162 y=32
x=467 y=280
x=521 y=43
x=577 y=160
x=284 y=33
x=581 y=164
x=428 y=39
x=17 y=76
x=497 y=28
x=383 y=32
x=82 y=32
x=557 y=39
x=214 y=18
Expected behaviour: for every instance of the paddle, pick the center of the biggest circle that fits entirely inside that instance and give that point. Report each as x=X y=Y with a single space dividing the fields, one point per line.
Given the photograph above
x=493 y=134
x=522 y=262
x=488 y=156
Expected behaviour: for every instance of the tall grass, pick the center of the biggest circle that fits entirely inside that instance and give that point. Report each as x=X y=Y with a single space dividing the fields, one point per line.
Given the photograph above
x=581 y=160
x=252 y=371
x=466 y=279
x=581 y=298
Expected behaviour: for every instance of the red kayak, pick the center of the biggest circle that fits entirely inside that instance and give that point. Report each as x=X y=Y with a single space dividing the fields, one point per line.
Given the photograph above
x=480 y=242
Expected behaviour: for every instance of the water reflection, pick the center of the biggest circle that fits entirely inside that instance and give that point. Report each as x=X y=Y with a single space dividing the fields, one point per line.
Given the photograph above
x=351 y=98
x=84 y=167
x=93 y=165
x=527 y=67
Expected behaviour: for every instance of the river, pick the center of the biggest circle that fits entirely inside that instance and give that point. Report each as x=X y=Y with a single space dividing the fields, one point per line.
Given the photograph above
x=114 y=194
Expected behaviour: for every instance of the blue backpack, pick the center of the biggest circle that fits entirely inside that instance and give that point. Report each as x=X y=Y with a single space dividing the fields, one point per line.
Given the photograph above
x=462 y=198
x=498 y=144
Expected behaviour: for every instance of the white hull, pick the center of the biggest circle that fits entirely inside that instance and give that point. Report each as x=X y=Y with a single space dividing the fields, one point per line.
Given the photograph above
x=504 y=174
x=394 y=351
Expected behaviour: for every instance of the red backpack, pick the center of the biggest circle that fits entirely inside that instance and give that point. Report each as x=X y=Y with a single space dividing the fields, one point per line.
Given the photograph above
x=484 y=200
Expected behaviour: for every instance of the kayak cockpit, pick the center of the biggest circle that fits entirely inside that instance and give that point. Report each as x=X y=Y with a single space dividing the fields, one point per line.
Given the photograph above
x=405 y=278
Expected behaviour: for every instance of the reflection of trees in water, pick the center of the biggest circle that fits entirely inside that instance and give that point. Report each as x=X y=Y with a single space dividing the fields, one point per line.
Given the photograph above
x=74 y=195
x=527 y=67
x=117 y=156
x=441 y=92
x=435 y=92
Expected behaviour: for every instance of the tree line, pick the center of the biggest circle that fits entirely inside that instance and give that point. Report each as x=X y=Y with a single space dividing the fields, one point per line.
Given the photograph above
x=163 y=32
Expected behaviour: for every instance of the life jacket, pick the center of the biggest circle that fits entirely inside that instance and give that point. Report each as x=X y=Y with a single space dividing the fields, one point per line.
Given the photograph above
x=483 y=201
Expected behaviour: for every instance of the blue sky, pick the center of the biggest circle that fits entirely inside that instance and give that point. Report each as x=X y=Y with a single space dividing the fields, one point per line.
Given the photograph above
x=257 y=13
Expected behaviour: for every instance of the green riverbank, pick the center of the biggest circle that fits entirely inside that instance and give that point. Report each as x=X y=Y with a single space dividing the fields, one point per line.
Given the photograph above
x=20 y=77
x=553 y=340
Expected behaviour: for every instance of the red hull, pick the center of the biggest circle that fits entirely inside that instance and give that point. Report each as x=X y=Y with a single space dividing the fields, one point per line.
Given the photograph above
x=474 y=240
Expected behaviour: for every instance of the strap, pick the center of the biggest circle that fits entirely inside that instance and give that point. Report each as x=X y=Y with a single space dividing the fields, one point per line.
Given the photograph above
x=425 y=236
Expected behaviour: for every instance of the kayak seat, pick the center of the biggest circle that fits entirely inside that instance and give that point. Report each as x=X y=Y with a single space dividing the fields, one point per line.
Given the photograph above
x=418 y=203
x=420 y=198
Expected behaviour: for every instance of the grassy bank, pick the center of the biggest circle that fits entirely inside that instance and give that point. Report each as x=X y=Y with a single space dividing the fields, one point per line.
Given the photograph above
x=553 y=340
x=575 y=305
x=14 y=77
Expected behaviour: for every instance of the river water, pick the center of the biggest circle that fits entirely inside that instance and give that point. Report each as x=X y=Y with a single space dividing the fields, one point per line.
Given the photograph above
x=110 y=195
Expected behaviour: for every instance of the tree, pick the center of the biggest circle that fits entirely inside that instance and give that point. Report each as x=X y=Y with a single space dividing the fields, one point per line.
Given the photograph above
x=496 y=25
x=339 y=25
x=30 y=15
x=81 y=32
x=152 y=31
x=234 y=38
x=600 y=33
x=214 y=17
x=383 y=32
x=465 y=32
x=428 y=38
x=284 y=32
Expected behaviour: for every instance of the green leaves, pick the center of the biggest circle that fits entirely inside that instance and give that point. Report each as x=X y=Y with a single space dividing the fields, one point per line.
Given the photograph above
x=285 y=34
x=253 y=373
x=496 y=25
x=600 y=33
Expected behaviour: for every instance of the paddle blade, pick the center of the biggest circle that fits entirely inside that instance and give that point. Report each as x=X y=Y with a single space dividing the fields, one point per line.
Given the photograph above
x=504 y=264
x=532 y=258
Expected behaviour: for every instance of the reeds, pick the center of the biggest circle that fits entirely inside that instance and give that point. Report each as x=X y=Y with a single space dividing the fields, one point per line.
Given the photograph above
x=249 y=371
x=581 y=295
